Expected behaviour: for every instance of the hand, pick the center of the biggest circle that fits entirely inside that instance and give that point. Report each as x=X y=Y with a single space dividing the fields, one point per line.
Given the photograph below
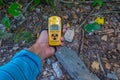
x=42 y=48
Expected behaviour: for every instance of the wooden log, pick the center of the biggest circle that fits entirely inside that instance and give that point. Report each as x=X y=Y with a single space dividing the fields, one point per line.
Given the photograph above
x=74 y=65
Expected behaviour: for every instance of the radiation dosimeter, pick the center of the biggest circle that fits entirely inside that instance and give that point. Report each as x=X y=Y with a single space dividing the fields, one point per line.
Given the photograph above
x=54 y=30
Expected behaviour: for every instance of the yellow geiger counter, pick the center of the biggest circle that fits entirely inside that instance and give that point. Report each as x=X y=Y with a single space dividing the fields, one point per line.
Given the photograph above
x=54 y=30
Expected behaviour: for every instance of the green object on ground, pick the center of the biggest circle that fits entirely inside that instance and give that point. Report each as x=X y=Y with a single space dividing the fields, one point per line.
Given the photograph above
x=37 y=2
x=92 y=27
x=6 y=22
x=99 y=2
x=1 y=2
x=14 y=9
x=5 y=35
x=24 y=35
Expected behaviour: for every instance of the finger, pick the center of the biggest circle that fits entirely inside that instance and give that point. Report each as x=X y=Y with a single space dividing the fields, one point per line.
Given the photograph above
x=62 y=43
x=64 y=29
x=64 y=26
x=62 y=39
x=43 y=36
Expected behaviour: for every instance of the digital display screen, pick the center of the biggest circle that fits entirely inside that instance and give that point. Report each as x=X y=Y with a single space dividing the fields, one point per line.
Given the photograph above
x=54 y=27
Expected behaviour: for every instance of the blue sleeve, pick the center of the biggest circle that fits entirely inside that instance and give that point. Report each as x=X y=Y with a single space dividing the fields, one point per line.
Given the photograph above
x=25 y=65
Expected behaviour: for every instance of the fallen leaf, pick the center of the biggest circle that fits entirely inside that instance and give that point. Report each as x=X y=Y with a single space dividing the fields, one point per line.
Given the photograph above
x=100 y=20
x=77 y=10
x=109 y=31
x=118 y=46
x=75 y=16
x=104 y=38
x=97 y=7
x=65 y=17
x=14 y=9
x=107 y=66
x=91 y=27
x=116 y=65
x=95 y=65
x=76 y=3
x=68 y=25
x=38 y=34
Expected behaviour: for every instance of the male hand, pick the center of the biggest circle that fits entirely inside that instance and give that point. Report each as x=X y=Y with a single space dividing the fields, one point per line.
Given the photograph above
x=42 y=48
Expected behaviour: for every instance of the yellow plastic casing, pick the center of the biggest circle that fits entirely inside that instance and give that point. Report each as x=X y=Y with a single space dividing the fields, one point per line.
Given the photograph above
x=54 y=30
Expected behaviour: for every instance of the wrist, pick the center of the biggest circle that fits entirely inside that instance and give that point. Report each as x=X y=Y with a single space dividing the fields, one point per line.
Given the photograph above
x=36 y=48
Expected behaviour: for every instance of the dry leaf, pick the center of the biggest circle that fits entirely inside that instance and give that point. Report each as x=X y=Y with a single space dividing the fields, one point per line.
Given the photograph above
x=65 y=17
x=108 y=31
x=38 y=34
x=68 y=25
x=116 y=65
x=95 y=65
x=118 y=46
x=104 y=38
x=107 y=66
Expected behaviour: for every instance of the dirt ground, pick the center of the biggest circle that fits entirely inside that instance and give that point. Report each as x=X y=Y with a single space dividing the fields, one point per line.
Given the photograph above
x=102 y=46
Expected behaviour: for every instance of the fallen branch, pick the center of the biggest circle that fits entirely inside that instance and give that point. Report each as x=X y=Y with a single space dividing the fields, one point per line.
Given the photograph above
x=105 y=1
x=106 y=12
x=81 y=43
x=25 y=9
x=67 y=2
x=99 y=60
x=85 y=19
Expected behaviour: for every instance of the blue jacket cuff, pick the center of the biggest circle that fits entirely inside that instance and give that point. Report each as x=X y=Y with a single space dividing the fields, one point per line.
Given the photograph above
x=34 y=57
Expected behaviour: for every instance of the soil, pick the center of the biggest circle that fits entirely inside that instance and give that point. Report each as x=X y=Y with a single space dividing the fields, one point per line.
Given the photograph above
x=102 y=46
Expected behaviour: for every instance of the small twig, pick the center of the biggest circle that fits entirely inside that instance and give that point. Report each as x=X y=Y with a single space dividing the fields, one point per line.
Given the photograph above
x=98 y=56
x=106 y=12
x=66 y=2
x=101 y=66
x=0 y=42
x=82 y=38
x=85 y=19
x=25 y=9
x=105 y=1
x=81 y=43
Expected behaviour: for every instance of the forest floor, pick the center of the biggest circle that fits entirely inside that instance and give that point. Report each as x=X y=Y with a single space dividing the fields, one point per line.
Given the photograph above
x=101 y=48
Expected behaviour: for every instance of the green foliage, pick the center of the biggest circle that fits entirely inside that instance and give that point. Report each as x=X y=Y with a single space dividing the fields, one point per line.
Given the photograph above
x=83 y=0
x=14 y=9
x=99 y=2
x=37 y=2
x=5 y=35
x=6 y=22
x=92 y=27
x=24 y=35
x=49 y=2
x=1 y=33
x=1 y=2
